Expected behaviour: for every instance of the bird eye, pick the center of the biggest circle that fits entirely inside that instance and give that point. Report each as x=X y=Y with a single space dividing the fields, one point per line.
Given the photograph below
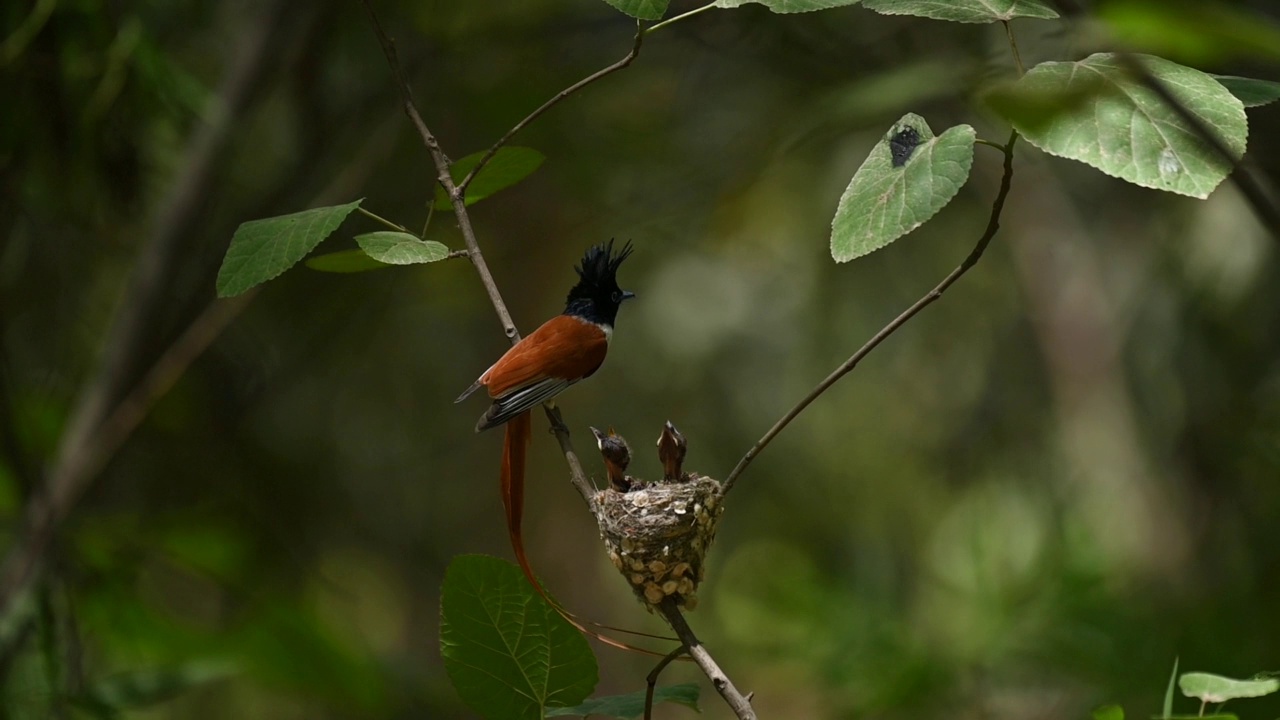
x=617 y=296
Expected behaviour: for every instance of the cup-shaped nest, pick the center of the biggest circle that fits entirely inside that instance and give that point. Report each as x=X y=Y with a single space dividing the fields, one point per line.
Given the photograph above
x=657 y=535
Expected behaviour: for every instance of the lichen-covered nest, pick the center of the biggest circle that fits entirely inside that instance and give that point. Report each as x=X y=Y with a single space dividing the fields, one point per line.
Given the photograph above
x=658 y=534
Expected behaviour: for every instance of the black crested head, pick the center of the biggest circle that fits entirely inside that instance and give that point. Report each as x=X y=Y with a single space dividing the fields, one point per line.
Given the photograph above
x=597 y=296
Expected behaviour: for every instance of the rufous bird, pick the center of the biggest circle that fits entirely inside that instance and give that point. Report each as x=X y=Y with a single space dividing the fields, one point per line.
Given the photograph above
x=671 y=450
x=617 y=456
x=565 y=349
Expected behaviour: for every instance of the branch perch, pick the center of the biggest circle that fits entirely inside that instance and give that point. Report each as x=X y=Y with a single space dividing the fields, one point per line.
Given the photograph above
x=739 y=703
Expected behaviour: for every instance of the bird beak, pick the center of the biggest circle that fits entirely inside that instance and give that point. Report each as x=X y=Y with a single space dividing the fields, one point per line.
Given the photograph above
x=627 y=295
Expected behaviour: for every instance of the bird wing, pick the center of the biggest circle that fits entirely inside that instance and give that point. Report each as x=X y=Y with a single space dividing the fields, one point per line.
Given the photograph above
x=539 y=367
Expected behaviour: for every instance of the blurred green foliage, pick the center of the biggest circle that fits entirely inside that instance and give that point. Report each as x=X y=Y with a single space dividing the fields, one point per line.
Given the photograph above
x=1046 y=486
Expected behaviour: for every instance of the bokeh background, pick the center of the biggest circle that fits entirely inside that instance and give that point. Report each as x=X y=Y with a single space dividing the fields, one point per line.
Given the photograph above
x=1025 y=504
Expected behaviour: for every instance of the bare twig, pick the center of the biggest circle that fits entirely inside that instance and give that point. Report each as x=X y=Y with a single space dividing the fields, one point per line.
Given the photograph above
x=651 y=681
x=577 y=475
x=740 y=705
x=993 y=224
x=441 y=162
x=624 y=62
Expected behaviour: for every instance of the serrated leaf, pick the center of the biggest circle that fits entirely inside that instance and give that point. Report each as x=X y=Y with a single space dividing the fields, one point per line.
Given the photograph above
x=509 y=166
x=345 y=261
x=1251 y=92
x=398 y=248
x=1108 y=712
x=1128 y=132
x=884 y=202
x=964 y=11
x=262 y=249
x=788 y=6
x=1210 y=688
x=631 y=706
x=507 y=652
x=642 y=9
x=1034 y=107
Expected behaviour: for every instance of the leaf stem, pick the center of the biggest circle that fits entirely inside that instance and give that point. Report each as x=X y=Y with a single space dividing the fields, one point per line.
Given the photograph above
x=989 y=143
x=1013 y=45
x=431 y=210
x=461 y=187
x=384 y=221
x=676 y=19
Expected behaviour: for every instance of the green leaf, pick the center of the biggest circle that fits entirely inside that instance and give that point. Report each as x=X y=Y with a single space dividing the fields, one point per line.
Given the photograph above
x=631 y=706
x=1167 y=710
x=965 y=11
x=262 y=249
x=788 y=6
x=1200 y=32
x=397 y=248
x=1252 y=93
x=345 y=261
x=884 y=202
x=1035 y=106
x=1108 y=712
x=508 y=653
x=642 y=9
x=1128 y=132
x=509 y=166
x=1216 y=688
x=143 y=688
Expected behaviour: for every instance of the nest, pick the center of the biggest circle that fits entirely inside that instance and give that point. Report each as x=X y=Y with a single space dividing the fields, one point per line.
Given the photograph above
x=658 y=534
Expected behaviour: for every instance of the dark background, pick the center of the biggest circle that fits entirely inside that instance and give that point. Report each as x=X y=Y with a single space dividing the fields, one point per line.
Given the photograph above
x=1025 y=504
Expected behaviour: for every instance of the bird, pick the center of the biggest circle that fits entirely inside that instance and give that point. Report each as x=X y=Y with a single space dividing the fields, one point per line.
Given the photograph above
x=671 y=451
x=565 y=349
x=617 y=456
x=561 y=352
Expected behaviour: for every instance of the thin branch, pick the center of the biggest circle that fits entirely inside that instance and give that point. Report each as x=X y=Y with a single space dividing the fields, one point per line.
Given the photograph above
x=993 y=224
x=624 y=62
x=441 y=162
x=1256 y=186
x=651 y=681
x=577 y=475
x=740 y=705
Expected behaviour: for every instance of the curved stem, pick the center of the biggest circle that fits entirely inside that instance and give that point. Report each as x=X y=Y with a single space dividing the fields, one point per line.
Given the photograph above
x=383 y=220
x=651 y=680
x=1013 y=45
x=624 y=62
x=993 y=224
x=672 y=20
